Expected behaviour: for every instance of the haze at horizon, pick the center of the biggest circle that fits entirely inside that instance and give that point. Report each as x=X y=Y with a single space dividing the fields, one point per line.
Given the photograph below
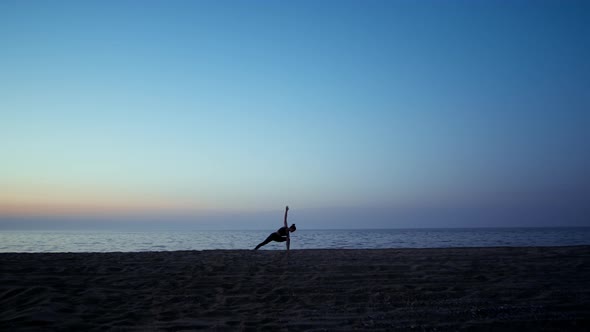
x=356 y=114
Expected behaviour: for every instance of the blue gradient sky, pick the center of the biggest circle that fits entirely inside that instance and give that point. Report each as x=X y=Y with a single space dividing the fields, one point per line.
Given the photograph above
x=355 y=113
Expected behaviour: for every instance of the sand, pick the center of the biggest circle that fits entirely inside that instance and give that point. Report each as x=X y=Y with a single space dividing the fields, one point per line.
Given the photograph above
x=487 y=289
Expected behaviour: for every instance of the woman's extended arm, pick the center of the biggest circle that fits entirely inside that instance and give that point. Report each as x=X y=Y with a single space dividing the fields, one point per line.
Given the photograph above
x=286 y=210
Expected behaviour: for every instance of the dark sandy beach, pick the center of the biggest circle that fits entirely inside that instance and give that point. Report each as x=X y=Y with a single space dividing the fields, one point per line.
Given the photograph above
x=488 y=289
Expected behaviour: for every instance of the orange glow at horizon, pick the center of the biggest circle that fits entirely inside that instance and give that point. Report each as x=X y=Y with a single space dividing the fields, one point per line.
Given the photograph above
x=87 y=208
x=44 y=199
x=48 y=201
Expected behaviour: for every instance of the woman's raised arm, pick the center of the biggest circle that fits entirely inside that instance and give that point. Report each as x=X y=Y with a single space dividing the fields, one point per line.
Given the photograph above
x=286 y=210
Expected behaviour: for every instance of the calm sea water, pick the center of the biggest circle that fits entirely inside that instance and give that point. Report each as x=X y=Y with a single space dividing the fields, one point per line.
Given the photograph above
x=54 y=241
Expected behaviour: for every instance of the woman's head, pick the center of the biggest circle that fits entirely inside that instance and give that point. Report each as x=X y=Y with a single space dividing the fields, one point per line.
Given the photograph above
x=292 y=228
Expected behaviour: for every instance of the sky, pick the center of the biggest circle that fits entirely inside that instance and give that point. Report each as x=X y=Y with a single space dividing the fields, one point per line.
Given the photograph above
x=356 y=114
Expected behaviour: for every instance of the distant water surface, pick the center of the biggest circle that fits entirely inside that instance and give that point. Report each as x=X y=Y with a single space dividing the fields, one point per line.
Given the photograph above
x=100 y=241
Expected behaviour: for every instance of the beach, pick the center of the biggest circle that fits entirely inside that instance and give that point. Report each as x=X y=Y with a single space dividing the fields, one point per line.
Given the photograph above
x=483 y=289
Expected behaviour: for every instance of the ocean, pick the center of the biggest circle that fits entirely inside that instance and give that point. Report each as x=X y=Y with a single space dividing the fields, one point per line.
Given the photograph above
x=106 y=241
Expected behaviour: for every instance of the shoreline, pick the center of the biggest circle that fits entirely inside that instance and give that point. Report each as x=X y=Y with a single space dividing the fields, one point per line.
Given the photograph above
x=281 y=250
x=474 y=288
x=284 y=250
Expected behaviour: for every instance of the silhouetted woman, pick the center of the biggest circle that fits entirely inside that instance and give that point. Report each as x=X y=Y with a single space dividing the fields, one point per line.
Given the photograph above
x=281 y=235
